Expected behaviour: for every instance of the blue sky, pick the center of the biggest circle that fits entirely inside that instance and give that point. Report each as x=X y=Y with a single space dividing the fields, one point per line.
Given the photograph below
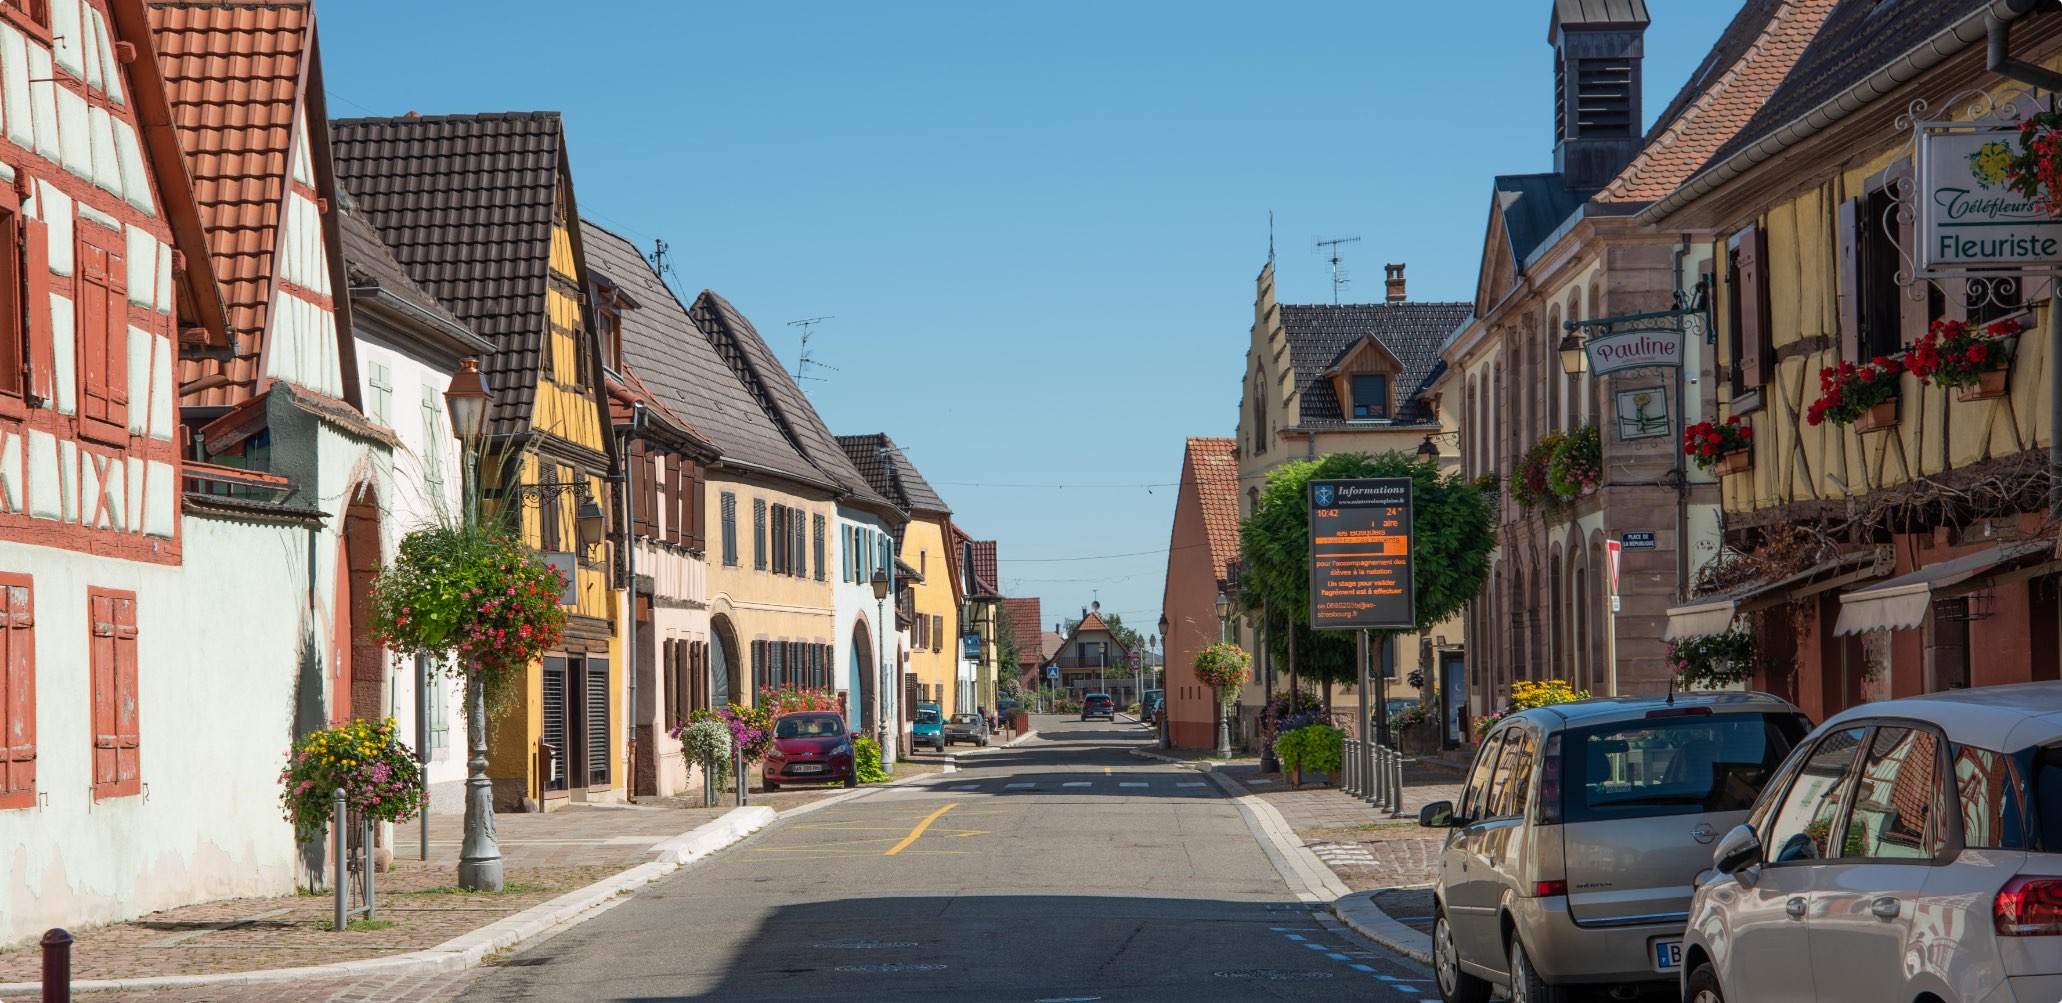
x=1036 y=225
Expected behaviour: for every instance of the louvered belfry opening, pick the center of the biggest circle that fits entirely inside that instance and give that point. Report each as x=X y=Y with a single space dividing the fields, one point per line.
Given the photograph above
x=1604 y=99
x=1598 y=48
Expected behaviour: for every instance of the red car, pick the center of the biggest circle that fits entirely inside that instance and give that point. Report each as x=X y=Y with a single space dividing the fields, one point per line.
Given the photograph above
x=808 y=748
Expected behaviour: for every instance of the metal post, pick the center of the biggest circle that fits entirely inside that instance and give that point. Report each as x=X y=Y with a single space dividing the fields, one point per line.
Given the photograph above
x=422 y=746
x=57 y=966
x=479 y=858
x=340 y=836
x=1360 y=668
x=370 y=896
x=1268 y=762
x=709 y=781
x=1382 y=690
x=738 y=760
x=1396 y=787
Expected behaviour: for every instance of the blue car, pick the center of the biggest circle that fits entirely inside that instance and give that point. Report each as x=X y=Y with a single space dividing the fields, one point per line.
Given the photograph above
x=928 y=728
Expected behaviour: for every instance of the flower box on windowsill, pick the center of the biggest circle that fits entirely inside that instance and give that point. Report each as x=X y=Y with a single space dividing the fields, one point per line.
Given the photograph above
x=1990 y=385
x=1734 y=462
x=1878 y=417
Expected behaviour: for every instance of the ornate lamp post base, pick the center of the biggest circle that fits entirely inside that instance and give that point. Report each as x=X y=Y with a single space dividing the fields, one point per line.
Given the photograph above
x=1223 y=734
x=479 y=859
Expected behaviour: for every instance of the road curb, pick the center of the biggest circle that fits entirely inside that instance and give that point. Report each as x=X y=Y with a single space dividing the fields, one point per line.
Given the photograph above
x=1205 y=765
x=1361 y=915
x=468 y=950
x=1308 y=876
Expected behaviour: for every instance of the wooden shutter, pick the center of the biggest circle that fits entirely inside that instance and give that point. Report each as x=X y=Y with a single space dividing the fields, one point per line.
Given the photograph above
x=693 y=514
x=102 y=304
x=1850 y=235
x=817 y=527
x=641 y=489
x=547 y=518
x=115 y=732
x=35 y=265
x=758 y=665
x=674 y=489
x=554 y=731
x=1754 y=315
x=597 y=706
x=759 y=534
x=937 y=632
x=17 y=695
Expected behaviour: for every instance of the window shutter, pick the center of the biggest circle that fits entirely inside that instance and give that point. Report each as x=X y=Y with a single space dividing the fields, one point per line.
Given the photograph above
x=18 y=698
x=1754 y=316
x=641 y=489
x=937 y=632
x=673 y=492
x=547 y=518
x=597 y=722
x=1850 y=235
x=759 y=534
x=817 y=526
x=35 y=258
x=758 y=664
x=692 y=514
x=128 y=733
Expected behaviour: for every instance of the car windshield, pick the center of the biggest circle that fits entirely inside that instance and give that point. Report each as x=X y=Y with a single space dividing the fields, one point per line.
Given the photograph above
x=927 y=717
x=808 y=726
x=965 y=719
x=1673 y=765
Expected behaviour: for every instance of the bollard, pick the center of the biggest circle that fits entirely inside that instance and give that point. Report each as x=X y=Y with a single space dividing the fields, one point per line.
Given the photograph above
x=1396 y=809
x=709 y=798
x=743 y=798
x=340 y=836
x=1381 y=795
x=371 y=830
x=57 y=966
x=1353 y=767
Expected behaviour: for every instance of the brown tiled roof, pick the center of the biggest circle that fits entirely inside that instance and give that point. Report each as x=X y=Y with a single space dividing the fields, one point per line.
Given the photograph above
x=741 y=348
x=466 y=203
x=1748 y=63
x=1320 y=335
x=1024 y=617
x=369 y=263
x=887 y=468
x=233 y=77
x=1215 y=466
x=627 y=389
x=984 y=583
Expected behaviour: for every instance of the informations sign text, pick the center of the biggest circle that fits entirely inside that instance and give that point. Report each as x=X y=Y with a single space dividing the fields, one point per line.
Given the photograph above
x=1360 y=555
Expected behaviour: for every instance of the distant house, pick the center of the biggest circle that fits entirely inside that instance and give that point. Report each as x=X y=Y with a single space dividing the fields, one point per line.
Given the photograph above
x=1027 y=627
x=930 y=570
x=1092 y=659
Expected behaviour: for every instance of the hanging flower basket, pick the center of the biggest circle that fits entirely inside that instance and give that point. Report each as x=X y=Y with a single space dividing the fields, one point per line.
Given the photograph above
x=477 y=590
x=1531 y=483
x=1713 y=661
x=1976 y=362
x=1864 y=396
x=2035 y=169
x=1719 y=446
x=1224 y=667
x=1576 y=469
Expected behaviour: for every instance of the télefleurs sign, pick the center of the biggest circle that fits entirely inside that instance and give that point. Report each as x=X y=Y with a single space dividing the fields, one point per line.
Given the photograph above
x=1969 y=216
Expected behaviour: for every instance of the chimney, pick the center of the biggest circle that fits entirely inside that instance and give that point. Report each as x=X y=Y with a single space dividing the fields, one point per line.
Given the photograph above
x=1395 y=281
x=1598 y=47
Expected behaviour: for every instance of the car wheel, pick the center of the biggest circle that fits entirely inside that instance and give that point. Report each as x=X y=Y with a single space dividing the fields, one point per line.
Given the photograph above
x=1455 y=986
x=1526 y=985
x=1702 y=986
x=851 y=781
x=771 y=786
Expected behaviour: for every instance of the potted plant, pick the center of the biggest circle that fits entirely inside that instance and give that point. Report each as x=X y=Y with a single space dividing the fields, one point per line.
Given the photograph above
x=1317 y=746
x=1975 y=362
x=380 y=778
x=1576 y=468
x=2035 y=169
x=1864 y=396
x=1712 y=661
x=1723 y=447
x=1528 y=694
x=1415 y=729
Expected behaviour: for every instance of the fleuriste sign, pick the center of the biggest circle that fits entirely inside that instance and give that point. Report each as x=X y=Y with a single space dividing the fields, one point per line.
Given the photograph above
x=1361 y=577
x=1968 y=216
x=1620 y=350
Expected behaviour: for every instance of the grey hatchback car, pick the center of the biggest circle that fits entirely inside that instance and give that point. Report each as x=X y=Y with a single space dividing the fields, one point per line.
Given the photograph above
x=1572 y=853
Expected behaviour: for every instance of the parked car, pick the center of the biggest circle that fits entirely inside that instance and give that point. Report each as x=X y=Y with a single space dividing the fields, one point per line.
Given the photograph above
x=966 y=728
x=811 y=747
x=1570 y=857
x=1098 y=705
x=1943 y=885
x=928 y=728
x=1150 y=707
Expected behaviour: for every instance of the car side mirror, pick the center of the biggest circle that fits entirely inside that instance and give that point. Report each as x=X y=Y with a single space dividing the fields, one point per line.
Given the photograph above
x=1437 y=815
x=1740 y=849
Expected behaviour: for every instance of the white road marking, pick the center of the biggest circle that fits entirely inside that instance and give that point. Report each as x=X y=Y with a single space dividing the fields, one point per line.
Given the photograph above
x=1077 y=783
x=1120 y=784
x=1188 y=784
x=1017 y=786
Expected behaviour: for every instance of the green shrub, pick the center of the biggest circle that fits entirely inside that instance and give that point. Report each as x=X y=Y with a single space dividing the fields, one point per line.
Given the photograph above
x=866 y=761
x=1315 y=747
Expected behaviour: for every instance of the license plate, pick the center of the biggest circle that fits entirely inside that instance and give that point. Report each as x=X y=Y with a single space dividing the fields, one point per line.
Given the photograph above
x=1668 y=955
x=818 y=768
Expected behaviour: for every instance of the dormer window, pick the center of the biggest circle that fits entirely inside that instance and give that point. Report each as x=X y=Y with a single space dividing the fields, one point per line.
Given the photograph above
x=1370 y=397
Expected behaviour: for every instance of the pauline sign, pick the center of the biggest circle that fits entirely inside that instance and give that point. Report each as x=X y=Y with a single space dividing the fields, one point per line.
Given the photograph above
x=1619 y=350
x=1968 y=216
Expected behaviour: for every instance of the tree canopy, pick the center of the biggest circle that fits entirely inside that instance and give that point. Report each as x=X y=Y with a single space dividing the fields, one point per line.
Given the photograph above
x=1455 y=529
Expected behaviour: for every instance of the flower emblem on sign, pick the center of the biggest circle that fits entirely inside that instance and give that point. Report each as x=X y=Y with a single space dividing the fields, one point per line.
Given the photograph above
x=1991 y=164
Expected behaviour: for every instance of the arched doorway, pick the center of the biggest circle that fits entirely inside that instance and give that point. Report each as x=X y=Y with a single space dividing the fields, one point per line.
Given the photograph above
x=358 y=675
x=861 y=685
x=723 y=661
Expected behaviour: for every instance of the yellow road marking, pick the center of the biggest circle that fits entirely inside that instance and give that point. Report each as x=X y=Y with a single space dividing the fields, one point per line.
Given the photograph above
x=919 y=830
x=1108 y=770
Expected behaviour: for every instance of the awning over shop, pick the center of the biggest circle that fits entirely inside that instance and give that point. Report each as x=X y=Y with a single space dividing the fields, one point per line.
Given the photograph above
x=1714 y=614
x=1901 y=602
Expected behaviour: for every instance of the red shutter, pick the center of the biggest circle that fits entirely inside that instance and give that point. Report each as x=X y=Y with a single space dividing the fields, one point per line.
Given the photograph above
x=128 y=734
x=35 y=266
x=102 y=304
x=674 y=523
x=1850 y=236
x=641 y=486
x=17 y=695
x=1754 y=317
x=100 y=612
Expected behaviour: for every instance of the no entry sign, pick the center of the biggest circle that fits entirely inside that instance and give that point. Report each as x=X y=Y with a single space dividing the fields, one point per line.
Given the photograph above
x=1360 y=555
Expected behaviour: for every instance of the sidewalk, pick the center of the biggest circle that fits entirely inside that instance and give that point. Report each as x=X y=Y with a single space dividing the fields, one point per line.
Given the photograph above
x=1363 y=845
x=552 y=863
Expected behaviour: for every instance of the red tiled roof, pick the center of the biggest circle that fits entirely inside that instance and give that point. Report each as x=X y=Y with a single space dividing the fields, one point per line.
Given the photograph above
x=1025 y=617
x=1216 y=469
x=233 y=74
x=1726 y=105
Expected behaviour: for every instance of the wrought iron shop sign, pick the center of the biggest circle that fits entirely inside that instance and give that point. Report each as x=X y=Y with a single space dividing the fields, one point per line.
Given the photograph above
x=1969 y=217
x=1361 y=575
x=1620 y=350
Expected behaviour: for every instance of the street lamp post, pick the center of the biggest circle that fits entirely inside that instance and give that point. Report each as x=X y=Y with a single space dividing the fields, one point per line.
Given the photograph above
x=881 y=587
x=479 y=858
x=1223 y=720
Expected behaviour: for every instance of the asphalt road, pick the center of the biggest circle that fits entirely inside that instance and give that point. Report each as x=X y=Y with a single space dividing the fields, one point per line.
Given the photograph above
x=1062 y=869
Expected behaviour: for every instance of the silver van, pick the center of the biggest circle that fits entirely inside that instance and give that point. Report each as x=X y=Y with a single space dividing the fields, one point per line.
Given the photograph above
x=1572 y=854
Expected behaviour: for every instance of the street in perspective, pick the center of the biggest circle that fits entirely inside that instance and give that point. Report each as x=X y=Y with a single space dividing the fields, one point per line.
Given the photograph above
x=944 y=506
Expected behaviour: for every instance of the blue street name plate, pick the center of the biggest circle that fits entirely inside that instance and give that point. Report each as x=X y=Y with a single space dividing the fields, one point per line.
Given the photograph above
x=1637 y=541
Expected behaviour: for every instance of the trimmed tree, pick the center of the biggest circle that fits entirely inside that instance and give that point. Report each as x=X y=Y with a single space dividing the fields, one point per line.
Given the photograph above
x=1454 y=533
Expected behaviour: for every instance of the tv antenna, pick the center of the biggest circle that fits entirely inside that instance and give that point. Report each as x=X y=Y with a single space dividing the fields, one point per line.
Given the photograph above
x=805 y=361
x=1339 y=277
